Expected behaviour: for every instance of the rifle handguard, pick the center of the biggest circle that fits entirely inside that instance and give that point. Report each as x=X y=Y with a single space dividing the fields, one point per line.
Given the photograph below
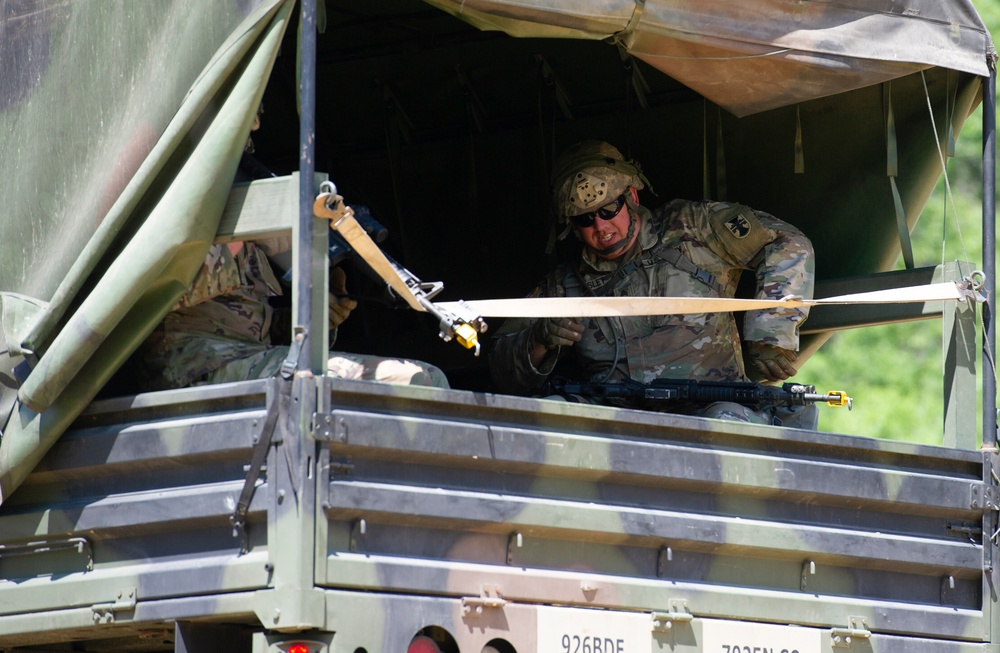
x=704 y=392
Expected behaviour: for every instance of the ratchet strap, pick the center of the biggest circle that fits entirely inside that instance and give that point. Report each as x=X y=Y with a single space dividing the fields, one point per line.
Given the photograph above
x=343 y=221
x=458 y=323
x=533 y=307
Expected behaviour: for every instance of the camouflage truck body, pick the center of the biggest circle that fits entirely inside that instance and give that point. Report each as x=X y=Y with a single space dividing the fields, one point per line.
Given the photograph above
x=486 y=520
x=305 y=514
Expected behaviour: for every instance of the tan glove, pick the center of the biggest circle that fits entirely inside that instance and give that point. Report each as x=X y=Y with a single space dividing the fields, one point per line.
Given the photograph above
x=555 y=332
x=340 y=305
x=768 y=362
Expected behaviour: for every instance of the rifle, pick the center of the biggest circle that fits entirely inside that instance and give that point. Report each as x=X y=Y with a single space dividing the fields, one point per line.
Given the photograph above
x=747 y=393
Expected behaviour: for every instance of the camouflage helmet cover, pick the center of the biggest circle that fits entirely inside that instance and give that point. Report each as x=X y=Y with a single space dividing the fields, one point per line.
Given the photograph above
x=590 y=174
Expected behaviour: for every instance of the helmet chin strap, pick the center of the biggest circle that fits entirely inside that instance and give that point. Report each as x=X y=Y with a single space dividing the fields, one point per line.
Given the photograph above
x=624 y=242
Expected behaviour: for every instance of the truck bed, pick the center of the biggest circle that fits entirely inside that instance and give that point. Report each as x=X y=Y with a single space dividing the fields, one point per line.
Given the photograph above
x=482 y=519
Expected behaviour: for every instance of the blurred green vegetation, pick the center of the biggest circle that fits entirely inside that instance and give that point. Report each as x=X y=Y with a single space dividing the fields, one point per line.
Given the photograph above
x=895 y=372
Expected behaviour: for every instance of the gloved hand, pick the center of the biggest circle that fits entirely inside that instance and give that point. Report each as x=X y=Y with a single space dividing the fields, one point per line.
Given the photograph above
x=340 y=305
x=552 y=332
x=767 y=362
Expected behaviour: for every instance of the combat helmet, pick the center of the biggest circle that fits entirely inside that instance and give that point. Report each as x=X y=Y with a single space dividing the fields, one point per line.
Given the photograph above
x=590 y=174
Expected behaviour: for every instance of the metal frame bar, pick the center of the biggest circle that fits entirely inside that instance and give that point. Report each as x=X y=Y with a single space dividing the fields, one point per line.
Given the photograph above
x=989 y=258
x=307 y=168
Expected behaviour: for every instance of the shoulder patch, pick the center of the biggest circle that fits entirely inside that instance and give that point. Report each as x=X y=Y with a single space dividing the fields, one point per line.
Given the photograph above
x=740 y=231
x=739 y=226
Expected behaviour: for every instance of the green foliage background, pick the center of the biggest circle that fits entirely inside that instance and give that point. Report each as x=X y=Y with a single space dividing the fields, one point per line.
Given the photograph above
x=895 y=372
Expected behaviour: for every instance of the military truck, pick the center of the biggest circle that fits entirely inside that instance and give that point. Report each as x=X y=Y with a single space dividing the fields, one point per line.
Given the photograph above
x=307 y=514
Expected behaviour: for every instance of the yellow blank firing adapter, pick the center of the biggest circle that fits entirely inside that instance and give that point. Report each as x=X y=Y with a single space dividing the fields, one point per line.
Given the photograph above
x=467 y=336
x=838 y=398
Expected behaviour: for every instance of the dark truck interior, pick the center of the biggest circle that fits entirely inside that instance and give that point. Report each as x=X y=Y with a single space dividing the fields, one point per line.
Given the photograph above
x=446 y=134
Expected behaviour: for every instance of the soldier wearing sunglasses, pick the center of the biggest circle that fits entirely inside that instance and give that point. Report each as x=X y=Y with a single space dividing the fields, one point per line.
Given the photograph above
x=682 y=249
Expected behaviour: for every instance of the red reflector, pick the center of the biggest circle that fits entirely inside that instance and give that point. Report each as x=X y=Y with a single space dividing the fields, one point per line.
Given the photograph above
x=298 y=648
x=421 y=644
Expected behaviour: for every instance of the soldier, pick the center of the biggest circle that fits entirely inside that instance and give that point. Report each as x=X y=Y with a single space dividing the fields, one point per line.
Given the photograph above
x=683 y=249
x=219 y=331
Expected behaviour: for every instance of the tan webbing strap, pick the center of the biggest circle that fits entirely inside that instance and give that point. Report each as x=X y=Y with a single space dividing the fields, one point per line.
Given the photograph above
x=800 y=160
x=533 y=307
x=640 y=5
x=892 y=170
x=721 y=178
x=344 y=223
x=706 y=186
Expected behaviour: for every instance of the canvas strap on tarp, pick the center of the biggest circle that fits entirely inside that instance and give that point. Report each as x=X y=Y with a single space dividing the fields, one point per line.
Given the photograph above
x=721 y=180
x=892 y=170
x=16 y=311
x=279 y=395
x=800 y=160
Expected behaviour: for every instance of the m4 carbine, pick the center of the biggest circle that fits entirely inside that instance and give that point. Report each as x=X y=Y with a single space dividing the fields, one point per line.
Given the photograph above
x=747 y=393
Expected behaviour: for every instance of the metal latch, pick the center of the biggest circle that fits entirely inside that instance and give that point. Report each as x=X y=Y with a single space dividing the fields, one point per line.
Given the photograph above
x=844 y=637
x=474 y=606
x=104 y=613
x=663 y=622
x=359 y=528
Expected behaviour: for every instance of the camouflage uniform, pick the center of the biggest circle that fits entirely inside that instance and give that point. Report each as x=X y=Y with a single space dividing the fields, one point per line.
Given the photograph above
x=717 y=238
x=219 y=331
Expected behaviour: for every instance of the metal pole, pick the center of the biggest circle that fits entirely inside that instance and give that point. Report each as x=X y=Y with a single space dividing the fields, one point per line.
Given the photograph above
x=989 y=259
x=307 y=170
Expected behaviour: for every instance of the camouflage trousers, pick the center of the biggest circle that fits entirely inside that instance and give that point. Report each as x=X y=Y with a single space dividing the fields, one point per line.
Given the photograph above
x=399 y=371
x=800 y=417
x=734 y=412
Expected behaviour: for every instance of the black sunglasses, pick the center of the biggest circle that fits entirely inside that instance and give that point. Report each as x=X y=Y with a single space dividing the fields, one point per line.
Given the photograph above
x=606 y=212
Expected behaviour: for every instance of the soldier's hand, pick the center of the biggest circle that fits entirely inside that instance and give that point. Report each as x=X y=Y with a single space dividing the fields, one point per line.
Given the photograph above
x=555 y=332
x=340 y=305
x=769 y=362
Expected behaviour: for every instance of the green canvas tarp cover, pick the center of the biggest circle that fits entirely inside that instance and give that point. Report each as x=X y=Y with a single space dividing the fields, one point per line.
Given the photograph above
x=121 y=127
x=122 y=124
x=756 y=55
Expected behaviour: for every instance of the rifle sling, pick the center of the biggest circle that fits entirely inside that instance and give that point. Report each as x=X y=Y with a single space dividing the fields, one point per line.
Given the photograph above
x=661 y=253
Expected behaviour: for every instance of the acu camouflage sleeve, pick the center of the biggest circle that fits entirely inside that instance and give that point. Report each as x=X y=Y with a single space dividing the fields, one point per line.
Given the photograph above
x=782 y=258
x=786 y=266
x=510 y=364
x=219 y=275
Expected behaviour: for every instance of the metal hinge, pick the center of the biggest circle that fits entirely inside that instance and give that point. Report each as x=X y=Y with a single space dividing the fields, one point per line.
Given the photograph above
x=845 y=637
x=983 y=497
x=104 y=613
x=489 y=597
x=328 y=427
x=664 y=621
